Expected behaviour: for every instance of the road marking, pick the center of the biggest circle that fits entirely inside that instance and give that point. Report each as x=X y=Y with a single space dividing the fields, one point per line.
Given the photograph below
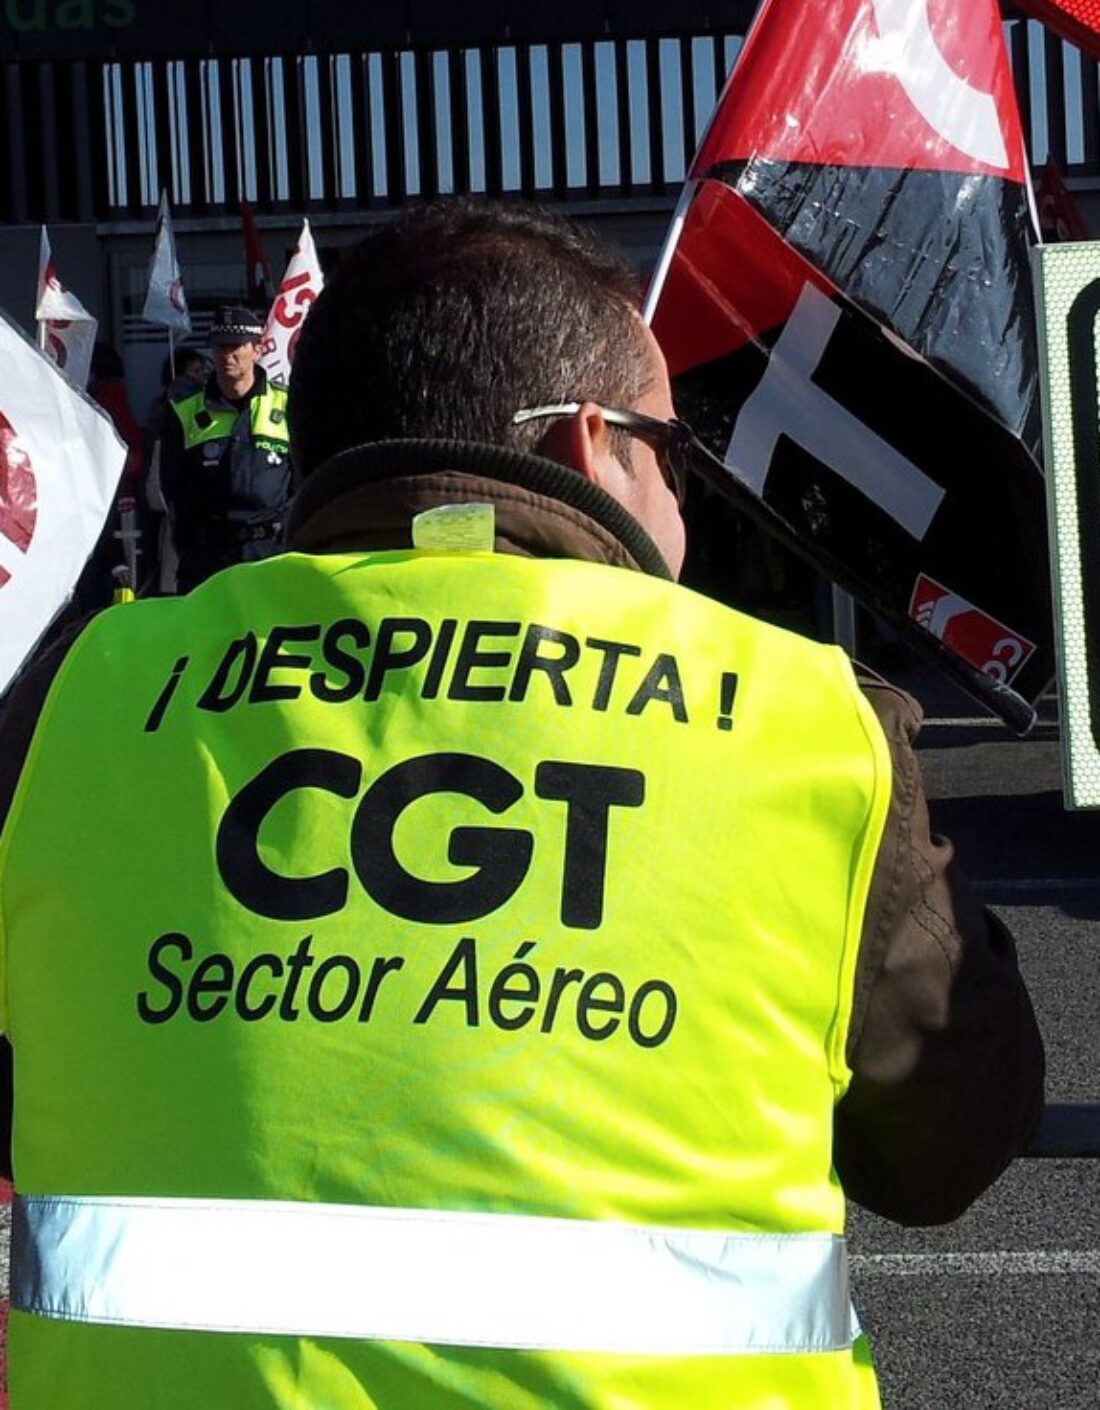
x=1042 y=1263
x=964 y=722
x=979 y=722
x=1036 y=883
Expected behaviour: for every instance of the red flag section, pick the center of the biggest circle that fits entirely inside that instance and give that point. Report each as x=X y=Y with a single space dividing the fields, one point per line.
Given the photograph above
x=884 y=143
x=18 y=493
x=260 y=284
x=913 y=84
x=1075 y=20
x=846 y=306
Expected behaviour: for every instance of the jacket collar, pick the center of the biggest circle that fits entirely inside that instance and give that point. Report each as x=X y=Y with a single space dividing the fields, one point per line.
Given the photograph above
x=366 y=498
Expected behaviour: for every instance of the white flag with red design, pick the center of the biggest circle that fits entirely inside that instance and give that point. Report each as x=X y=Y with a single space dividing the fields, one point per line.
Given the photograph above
x=60 y=462
x=66 y=330
x=165 y=301
x=301 y=284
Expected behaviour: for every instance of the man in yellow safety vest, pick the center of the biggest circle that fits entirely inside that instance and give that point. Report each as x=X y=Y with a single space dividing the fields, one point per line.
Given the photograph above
x=514 y=957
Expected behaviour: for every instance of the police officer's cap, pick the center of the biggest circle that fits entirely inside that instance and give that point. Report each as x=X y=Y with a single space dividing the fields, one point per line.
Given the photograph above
x=236 y=325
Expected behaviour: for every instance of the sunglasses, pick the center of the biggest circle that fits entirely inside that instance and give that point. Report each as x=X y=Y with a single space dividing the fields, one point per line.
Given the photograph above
x=672 y=441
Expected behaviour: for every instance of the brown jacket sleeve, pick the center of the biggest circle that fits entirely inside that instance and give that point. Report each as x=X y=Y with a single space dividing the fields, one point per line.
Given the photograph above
x=20 y=708
x=19 y=711
x=946 y=1056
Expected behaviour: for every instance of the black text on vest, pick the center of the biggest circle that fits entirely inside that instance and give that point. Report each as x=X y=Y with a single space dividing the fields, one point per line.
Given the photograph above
x=500 y=856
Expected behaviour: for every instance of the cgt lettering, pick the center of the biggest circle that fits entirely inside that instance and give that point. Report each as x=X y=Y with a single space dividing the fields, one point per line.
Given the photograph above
x=500 y=857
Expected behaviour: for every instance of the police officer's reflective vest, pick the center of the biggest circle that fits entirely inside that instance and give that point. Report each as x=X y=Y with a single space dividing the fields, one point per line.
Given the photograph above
x=203 y=423
x=429 y=978
x=229 y=503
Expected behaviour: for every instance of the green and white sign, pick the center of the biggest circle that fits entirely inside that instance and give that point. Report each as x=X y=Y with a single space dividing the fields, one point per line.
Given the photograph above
x=1068 y=295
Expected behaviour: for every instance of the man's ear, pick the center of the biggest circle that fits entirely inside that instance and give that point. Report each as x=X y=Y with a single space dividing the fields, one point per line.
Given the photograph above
x=582 y=441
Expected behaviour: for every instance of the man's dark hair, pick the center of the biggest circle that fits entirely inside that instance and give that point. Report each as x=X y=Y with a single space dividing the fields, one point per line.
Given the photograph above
x=444 y=322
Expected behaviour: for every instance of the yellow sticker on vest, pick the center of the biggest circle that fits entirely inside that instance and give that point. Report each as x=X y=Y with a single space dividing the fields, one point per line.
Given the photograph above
x=458 y=528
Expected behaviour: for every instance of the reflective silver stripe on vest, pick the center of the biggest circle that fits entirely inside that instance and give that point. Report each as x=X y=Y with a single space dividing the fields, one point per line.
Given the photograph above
x=507 y=1281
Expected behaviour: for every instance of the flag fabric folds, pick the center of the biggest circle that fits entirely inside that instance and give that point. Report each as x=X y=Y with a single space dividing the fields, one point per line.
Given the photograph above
x=301 y=284
x=165 y=301
x=66 y=330
x=60 y=462
x=845 y=301
x=1075 y=20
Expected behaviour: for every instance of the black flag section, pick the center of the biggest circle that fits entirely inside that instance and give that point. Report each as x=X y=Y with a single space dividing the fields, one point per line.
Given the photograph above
x=961 y=296
x=864 y=459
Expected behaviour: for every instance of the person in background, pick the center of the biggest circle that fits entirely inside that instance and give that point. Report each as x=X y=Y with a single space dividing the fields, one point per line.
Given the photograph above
x=181 y=376
x=223 y=466
x=120 y=546
x=107 y=386
x=514 y=957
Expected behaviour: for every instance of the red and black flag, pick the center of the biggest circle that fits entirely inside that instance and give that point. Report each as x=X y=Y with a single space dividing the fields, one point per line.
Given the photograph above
x=1075 y=20
x=846 y=305
x=260 y=287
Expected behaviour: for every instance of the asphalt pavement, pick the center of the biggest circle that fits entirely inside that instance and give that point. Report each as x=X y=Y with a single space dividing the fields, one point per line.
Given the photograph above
x=1002 y=1308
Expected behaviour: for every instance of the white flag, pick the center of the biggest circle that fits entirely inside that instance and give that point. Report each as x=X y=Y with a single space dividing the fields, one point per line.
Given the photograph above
x=60 y=462
x=301 y=284
x=165 y=301
x=66 y=330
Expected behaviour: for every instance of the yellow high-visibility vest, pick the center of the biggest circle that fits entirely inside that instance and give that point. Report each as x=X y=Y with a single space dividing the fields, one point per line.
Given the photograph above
x=267 y=419
x=429 y=978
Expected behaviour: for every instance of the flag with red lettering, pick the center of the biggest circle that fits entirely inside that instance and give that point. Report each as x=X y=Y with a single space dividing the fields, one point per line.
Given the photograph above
x=60 y=461
x=165 y=301
x=260 y=285
x=1060 y=217
x=66 y=330
x=1075 y=20
x=845 y=300
x=301 y=284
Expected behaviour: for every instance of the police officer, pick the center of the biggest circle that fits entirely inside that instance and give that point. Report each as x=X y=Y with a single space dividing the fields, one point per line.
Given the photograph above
x=524 y=949
x=224 y=465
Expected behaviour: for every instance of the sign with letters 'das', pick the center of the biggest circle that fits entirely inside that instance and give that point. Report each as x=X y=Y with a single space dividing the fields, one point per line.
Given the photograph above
x=1068 y=294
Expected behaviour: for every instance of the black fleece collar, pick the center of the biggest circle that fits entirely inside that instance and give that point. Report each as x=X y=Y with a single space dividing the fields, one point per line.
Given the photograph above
x=390 y=460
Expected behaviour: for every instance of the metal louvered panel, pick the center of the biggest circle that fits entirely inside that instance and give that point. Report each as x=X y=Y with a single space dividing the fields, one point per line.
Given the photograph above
x=354 y=130
x=1090 y=104
x=1055 y=73
x=88 y=129
x=457 y=63
x=392 y=118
